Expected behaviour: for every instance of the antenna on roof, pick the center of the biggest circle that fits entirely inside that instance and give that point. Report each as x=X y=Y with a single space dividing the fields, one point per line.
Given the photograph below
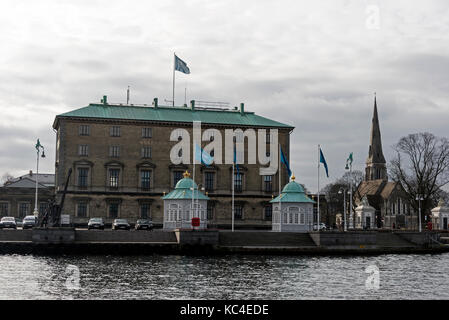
x=127 y=96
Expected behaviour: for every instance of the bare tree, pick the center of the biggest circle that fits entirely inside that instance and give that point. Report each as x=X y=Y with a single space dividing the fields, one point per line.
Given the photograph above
x=421 y=166
x=7 y=177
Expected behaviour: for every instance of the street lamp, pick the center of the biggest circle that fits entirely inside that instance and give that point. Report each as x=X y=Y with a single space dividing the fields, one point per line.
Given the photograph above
x=342 y=190
x=419 y=198
x=38 y=148
x=351 y=215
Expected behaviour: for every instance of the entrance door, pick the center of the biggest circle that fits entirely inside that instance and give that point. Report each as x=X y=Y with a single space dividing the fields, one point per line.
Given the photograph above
x=445 y=223
x=368 y=222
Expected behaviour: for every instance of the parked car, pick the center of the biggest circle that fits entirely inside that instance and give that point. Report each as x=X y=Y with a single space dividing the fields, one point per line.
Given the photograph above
x=19 y=222
x=120 y=224
x=144 y=224
x=8 y=222
x=95 y=223
x=29 y=222
x=322 y=227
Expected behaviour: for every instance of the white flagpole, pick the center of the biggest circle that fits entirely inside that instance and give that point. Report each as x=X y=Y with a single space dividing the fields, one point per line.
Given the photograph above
x=193 y=182
x=174 y=65
x=280 y=190
x=233 y=182
x=318 y=193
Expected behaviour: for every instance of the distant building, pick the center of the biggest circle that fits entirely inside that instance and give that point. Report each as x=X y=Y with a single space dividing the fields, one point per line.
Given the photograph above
x=17 y=196
x=389 y=200
x=182 y=204
x=293 y=209
x=120 y=156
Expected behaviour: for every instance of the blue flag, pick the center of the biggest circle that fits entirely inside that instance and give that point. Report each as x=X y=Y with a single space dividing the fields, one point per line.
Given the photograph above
x=203 y=156
x=181 y=66
x=284 y=161
x=323 y=161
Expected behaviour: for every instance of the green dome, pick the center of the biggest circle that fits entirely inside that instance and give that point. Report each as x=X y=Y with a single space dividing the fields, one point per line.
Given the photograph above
x=293 y=192
x=183 y=190
x=185 y=183
x=293 y=187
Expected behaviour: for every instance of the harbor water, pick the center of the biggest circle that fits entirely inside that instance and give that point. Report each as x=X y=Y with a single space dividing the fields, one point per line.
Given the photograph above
x=225 y=277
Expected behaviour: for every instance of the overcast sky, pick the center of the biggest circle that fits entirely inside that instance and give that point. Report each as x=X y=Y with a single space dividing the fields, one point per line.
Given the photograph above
x=314 y=65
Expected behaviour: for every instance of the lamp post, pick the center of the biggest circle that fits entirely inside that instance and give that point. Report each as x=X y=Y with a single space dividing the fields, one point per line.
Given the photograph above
x=419 y=198
x=38 y=147
x=351 y=215
x=342 y=190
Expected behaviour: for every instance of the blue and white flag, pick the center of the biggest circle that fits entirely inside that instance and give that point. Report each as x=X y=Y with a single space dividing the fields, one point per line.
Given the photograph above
x=203 y=156
x=284 y=161
x=323 y=161
x=181 y=66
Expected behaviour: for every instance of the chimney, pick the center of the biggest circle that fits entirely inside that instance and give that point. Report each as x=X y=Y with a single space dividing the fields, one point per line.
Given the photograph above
x=155 y=103
x=104 y=100
x=242 y=108
x=192 y=104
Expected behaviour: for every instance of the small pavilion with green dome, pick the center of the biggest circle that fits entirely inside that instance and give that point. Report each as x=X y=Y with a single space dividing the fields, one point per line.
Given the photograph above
x=180 y=207
x=292 y=209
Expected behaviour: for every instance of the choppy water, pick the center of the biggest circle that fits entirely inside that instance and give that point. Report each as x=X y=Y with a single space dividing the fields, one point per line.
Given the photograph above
x=223 y=277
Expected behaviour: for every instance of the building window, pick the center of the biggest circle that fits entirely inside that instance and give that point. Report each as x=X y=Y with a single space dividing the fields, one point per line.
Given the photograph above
x=268 y=137
x=114 y=175
x=147 y=132
x=83 y=174
x=84 y=130
x=268 y=183
x=114 y=131
x=113 y=210
x=146 y=152
x=114 y=151
x=268 y=212
x=238 y=182
x=302 y=217
x=399 y=206
x=210 y=212
x=238 y=212
x=177 y=175
x=145 y=211
x=209 y=181
x=24 y=209
x=81 y=209
x=145 y=179
x=43 y=207
x=4 y=209
x=83 y=150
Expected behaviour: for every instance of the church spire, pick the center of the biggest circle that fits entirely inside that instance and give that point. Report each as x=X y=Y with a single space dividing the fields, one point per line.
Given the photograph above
x=375 y=164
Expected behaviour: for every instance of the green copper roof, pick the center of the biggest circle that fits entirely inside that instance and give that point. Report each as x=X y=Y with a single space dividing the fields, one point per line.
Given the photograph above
x=182 y=191
x=171 y=114
x=293 y=192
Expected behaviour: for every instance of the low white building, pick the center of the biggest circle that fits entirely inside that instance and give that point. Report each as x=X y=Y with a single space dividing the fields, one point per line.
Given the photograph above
x=292 y=209
x=440 y=216
x=365 y=215
x=180 y=207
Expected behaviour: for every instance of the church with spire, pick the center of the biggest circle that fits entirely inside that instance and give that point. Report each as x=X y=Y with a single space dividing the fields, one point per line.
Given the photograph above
x=392 y=210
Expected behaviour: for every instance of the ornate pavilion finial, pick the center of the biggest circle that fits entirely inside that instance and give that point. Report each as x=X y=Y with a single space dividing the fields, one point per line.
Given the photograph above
x=293 y=177
x=186 y=174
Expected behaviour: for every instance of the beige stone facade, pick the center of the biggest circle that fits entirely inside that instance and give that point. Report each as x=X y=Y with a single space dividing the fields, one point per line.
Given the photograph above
x=122 y=168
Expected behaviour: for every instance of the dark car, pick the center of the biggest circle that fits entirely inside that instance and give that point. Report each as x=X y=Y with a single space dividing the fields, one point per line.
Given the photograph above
x=120 y=224
x=95 y=223
x=29 y=222
x=144 y=224
x=8 y=222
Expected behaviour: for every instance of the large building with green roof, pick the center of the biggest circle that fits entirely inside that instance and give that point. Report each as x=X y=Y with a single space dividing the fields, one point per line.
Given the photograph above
x=120 y=156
